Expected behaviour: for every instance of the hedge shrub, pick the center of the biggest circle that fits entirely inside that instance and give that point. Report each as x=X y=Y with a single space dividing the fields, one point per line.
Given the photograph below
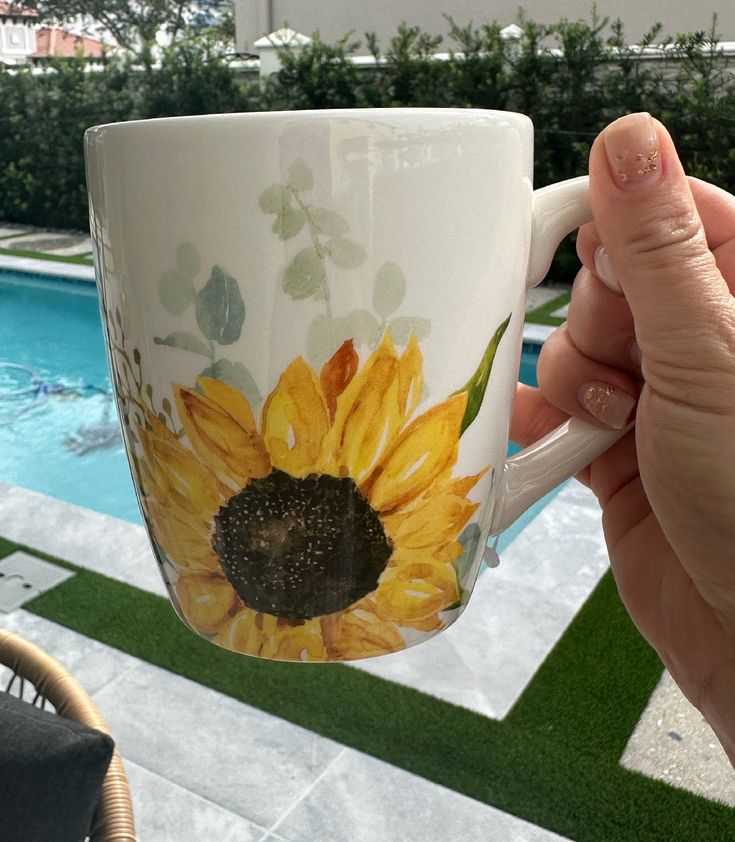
x=570 y=92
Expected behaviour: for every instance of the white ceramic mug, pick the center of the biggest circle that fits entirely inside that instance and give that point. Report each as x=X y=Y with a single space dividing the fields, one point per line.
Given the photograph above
x=314 y=323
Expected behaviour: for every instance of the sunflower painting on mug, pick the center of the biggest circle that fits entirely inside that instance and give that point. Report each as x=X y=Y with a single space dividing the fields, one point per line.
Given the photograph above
x=324 y=532
x=333 y=527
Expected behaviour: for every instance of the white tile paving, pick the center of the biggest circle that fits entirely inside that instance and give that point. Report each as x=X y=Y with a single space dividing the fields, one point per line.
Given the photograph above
x=94 y=664
x=672 y=742
x=50 y=242
x=361 y=799
x=538 y=296
x=115 y=547
x=166 y=812
x=47 y=267
x=236 y=756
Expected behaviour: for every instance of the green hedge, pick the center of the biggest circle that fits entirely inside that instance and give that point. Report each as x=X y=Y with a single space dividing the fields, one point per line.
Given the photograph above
x=570 y=95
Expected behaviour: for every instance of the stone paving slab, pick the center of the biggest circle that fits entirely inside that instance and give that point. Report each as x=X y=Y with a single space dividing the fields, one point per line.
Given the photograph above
x=57 y=269
x=49 y=242
x=672 y=742
x=103 y=543
x=166 y=812
x=538 y=296
x=362 y=799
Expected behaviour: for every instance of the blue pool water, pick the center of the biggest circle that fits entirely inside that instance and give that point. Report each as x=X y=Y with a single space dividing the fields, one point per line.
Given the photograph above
x=52 y=330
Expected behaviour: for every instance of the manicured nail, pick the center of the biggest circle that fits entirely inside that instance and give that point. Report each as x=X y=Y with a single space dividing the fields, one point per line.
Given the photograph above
x=634 y=352
x=606 y=403
x=633 y=151
x=605 y=271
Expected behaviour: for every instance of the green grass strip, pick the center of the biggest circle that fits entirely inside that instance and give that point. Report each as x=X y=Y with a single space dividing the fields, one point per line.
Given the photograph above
x=81 y=260
x=542 y=315
x=553 y=761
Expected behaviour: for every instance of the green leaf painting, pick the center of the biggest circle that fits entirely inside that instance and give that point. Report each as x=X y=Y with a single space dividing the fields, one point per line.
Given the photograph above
x=236 y=375
x=477 y=384
x=328 y=222
x=305 y=274
x=389 y=290
x=289 y=222
x=274 y=199
x=176 y=291
x=188 y=260
x=184 y=340
x=220 y=310
x=345 y=253
x=300 y=176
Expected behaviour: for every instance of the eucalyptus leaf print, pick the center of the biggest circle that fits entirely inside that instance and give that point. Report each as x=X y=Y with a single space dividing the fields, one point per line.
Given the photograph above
x=176 y=291
x=322 y=244
x=345 y=253
x=186 y=341
x=305 y=275
x=389 y=289
x=235 y=374
x=220 y=310
x=188 y=260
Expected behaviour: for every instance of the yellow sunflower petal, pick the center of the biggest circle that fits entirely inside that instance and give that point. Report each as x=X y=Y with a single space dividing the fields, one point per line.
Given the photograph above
x=410 y=377
x=369 y=413
x=176 y=470
x=295 y=421
x=418 y=456
x=206 y=601
x=361 y=634
x=253 y=633
x=229 y=399
x=435 y=522
x=416 y=592
x=185 y=541
x=303 y=642
x=243 y=633
x=228 y=443
x=444 y=553
x=337 y=372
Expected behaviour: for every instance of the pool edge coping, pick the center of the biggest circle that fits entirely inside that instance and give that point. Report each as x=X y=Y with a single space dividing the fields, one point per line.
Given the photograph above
x=52 y=268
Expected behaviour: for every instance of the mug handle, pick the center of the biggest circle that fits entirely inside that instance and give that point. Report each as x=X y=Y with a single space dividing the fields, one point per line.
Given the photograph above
x=557 y=210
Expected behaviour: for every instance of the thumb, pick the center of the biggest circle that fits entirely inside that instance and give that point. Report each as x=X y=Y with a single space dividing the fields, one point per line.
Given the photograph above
x=657 y=249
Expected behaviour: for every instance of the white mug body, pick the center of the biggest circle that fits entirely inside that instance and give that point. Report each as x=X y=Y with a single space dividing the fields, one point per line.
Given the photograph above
x=314 y=324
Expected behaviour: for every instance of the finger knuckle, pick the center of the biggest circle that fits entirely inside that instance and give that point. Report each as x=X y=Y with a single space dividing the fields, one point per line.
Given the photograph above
x=673 y=236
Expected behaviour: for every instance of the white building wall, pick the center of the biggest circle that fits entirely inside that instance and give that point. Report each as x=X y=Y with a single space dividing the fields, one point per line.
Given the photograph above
x=17 y=41
x=335 y=18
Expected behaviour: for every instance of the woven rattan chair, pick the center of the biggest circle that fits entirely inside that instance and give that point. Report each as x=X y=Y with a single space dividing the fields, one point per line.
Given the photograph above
x=113 y=818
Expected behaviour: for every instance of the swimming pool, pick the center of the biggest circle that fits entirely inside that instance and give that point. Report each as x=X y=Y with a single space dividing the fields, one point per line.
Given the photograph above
x=58 y=427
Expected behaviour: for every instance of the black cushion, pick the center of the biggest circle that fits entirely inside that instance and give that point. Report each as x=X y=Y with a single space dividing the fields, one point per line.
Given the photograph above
x=51 y=771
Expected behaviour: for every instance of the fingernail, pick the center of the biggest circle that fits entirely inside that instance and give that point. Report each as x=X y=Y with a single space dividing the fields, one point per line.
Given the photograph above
x=634 y=352
x=633 y=151
x=606 y=403
x=605 y=271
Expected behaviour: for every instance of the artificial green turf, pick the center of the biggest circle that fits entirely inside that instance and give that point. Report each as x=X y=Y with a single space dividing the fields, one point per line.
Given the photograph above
x=542 y=315
x=82 y=260
x=553 y=761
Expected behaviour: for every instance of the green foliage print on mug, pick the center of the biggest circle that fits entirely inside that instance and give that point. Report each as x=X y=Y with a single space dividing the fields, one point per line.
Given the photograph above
x=220 y=312
x=306 y=275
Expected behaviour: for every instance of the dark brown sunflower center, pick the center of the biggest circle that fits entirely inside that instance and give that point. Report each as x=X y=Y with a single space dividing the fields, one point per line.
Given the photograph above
x=300 y=548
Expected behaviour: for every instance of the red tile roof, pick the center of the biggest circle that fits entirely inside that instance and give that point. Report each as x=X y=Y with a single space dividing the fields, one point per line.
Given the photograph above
x=13 y=10
x=51 y=41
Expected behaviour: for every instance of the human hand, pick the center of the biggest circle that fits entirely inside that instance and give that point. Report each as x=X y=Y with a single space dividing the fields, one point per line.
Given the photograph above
x=660 y=328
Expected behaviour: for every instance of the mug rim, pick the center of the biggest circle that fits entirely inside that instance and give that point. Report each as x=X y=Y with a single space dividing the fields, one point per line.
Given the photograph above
x=465 y=115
